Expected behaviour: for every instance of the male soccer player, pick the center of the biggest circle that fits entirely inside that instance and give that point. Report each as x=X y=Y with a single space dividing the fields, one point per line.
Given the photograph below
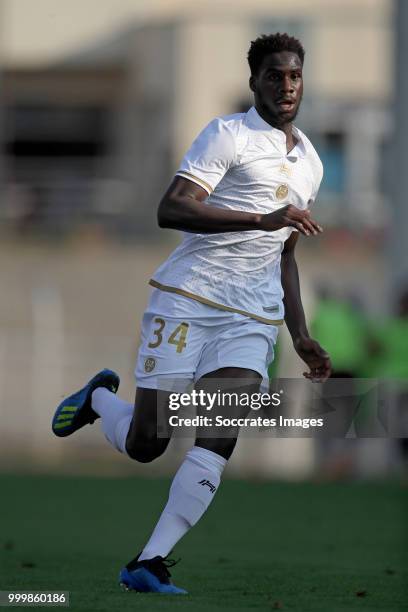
x=242 y=195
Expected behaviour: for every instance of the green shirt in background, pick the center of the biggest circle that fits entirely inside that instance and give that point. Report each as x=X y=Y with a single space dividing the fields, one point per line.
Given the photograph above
x=391 y=360
x=341 y=330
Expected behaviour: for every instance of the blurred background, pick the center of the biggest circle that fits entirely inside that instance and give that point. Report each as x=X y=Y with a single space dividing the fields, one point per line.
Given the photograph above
x=99 y=100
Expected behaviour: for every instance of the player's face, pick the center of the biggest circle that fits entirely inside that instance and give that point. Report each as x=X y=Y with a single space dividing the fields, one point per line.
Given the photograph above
x=278 y=87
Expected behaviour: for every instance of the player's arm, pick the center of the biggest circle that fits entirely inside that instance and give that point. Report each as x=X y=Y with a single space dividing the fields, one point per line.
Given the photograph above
x=183 y=207
x=308 y=349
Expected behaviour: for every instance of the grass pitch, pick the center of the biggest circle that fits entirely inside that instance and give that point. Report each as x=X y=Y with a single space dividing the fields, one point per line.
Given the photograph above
x=261 y=546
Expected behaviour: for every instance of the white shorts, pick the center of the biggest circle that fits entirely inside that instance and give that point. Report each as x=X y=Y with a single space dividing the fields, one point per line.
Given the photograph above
x=183 y=339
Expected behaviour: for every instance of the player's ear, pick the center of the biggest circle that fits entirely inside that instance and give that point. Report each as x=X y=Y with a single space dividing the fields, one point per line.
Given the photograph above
x=252 y=83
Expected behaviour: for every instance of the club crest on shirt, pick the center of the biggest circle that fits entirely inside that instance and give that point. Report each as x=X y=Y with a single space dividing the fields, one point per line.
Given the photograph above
x=149 y=364
x=282 y=191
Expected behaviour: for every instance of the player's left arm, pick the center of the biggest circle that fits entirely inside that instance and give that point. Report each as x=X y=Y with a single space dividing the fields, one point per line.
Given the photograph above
x=308 y=349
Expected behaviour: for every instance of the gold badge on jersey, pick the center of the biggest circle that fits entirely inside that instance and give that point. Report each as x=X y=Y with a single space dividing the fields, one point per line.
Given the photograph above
x=149 y=364
x=282 y=191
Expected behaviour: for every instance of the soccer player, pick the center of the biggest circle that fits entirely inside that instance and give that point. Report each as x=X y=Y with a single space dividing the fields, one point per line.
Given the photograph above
x=242 y=196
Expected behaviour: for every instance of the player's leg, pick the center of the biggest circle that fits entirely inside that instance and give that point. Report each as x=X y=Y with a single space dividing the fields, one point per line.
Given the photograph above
x=194 y=485
x=130 y=428
x=133 y=429
x=231 y=382
x=136 y=433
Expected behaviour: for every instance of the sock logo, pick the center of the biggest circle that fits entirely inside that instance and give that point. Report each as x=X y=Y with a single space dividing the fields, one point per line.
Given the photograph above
x=207 y=483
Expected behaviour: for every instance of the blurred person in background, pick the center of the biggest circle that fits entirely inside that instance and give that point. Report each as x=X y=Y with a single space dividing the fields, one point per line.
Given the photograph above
x=242 y=196
x=389 y=339
x=388 y=361
x=340 y=325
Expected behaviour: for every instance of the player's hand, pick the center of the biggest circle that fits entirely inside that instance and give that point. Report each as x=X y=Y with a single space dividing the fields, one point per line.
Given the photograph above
x=315 y=357
x=291 y=216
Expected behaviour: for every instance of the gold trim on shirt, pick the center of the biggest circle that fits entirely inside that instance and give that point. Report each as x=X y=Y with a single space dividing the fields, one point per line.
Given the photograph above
x=203 y=300
x=195 y=179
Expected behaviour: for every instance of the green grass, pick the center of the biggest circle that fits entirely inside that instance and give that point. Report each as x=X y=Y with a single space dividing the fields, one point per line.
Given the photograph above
x=261 y=546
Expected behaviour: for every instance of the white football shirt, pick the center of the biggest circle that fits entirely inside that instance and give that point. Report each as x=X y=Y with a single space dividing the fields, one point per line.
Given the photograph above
x=242 y=163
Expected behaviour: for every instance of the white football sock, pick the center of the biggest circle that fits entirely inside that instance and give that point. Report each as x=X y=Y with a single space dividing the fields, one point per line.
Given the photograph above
x=191 y=493
x=116 y=415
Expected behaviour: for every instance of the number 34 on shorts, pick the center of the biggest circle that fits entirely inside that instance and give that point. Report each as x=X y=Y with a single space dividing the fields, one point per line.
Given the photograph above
x=163 y=332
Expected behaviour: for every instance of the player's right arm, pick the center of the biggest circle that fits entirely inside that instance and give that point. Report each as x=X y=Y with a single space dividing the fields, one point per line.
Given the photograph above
x=211 y=155
x=183 y=208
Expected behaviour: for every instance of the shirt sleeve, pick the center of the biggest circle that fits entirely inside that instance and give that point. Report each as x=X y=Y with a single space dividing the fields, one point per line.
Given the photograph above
x=210 y=156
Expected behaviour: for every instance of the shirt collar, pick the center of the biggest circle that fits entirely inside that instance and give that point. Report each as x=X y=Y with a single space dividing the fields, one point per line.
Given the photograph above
x=255 y=120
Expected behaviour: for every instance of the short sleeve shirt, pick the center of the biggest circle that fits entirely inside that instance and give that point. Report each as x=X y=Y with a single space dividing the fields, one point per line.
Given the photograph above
x=242 y=163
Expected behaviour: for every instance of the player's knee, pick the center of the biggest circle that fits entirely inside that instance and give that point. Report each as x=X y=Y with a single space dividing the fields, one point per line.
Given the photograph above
x=145 y=450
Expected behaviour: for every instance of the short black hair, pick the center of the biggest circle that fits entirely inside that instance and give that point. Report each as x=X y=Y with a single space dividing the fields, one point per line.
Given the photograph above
x=272 y=43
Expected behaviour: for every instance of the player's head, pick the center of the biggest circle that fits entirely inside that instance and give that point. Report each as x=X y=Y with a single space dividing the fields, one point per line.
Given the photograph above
x=276 y=63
